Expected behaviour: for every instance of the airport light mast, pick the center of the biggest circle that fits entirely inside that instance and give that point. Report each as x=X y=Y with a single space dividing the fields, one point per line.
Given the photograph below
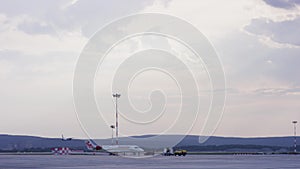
x=295 y=136
x=116 y=95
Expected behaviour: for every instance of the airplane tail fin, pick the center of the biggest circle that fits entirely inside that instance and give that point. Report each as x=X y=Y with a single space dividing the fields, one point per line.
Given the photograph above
x=91 y=145
x=88 y=145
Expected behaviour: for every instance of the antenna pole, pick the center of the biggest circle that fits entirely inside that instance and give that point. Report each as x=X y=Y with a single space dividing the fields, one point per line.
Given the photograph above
x=116 y=95
x=295 y=136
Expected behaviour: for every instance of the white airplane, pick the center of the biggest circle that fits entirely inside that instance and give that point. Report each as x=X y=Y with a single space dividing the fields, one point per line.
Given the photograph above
x=115 y=149
x=65 y=139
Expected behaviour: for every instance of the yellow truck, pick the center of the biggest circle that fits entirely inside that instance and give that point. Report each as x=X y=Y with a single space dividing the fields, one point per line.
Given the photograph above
x=171 y=152
x=180 y=152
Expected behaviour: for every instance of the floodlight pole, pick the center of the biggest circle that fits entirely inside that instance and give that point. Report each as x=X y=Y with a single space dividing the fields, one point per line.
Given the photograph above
x=295 y=136
x=116 y=95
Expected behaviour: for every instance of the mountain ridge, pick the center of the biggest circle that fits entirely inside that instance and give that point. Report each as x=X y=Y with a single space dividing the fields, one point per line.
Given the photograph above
x=20 y=142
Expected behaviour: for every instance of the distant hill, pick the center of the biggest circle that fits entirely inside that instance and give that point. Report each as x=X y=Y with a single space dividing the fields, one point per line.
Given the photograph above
x=265 y=141
x=15 y=142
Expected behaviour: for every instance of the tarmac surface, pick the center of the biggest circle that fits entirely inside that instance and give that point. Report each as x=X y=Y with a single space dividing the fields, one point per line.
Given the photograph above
x=113 y=162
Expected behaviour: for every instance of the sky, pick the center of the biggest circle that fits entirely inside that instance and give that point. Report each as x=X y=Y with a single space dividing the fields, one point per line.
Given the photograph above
x=257 y=42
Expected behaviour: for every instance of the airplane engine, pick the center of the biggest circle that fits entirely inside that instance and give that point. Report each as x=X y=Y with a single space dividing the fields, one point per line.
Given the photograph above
x=98 y=147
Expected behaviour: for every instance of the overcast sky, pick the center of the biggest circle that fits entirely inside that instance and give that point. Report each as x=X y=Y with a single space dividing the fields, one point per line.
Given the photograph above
x=256 y=40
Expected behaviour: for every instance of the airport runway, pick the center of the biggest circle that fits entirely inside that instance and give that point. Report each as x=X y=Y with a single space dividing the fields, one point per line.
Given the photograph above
x=113 y=162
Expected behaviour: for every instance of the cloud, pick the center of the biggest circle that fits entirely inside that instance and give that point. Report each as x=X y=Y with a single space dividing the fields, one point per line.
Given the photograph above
x=277 y=91
x=284 y=32
x=285 y=4
x=40 y=41
x=36 y=28
x=69 y=15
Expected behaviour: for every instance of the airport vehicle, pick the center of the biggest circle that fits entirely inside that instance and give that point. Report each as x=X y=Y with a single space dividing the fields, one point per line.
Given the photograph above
x=180 y=152
x=168 y=152
x=171 y=152
x=115 y=149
